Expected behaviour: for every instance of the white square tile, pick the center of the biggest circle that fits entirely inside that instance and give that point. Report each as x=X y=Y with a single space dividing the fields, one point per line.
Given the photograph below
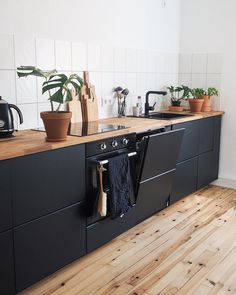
x=214 y=63
x=161 y=62
x=141 y=84
x=120 y=80
x=199 y=63
x=26 y=89
x=45 y=54
x=141 y=61
x=96 y=80
x=214 y=80
x=174 y=63
x=8 y=86
x=185 y=79
x=107 y=58
x=131 y=60
x=131 y=83
x=168 y=63
x=107 y=86
x=151 y=61
x=216 y=103
x=30 y=116
x=94 y=57
x=63 y=55
x=25 y=50
x=185 y=63
x=199 y=81
x=7 y=52
x=151 y=81
x=120 y=59
x=79 y=56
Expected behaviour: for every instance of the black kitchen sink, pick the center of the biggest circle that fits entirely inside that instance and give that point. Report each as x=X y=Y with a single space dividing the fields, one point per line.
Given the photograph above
x=165 y=116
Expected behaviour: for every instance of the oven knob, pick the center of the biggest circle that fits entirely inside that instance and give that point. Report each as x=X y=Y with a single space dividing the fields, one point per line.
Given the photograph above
x=125 y=141
x=114 y=143
x=103 y=146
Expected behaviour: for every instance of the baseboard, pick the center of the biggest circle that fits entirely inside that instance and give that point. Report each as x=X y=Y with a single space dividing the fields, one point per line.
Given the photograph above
x=230 y=183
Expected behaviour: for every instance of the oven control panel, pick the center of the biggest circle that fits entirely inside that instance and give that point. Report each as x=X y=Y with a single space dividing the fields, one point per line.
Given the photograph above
x=111 y=144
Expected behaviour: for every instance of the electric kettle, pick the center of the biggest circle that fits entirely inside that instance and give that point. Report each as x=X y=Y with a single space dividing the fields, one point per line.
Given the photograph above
x=6 y=118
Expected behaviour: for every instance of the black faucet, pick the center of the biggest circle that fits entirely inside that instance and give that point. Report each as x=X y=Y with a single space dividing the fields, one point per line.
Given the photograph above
x=151 y=108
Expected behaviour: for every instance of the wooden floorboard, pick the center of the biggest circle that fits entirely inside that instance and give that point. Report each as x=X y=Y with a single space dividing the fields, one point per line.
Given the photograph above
x=188 y=248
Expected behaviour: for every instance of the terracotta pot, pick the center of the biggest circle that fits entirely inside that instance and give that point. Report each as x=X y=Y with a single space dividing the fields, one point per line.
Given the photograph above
x=176 y=109
x=195 y=105
x=206 y=107
x=56 y=125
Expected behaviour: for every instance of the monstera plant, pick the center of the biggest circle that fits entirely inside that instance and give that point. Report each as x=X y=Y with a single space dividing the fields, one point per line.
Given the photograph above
x=61 y=89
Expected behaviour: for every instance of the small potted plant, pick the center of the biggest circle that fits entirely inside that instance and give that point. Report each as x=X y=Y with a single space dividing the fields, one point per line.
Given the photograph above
x=176 y=95
x=211 y=91
x=196 y=101
x=56 y=122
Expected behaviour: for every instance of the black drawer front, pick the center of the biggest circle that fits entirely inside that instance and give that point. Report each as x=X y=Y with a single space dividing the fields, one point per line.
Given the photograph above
x=5 y=197
x=45 y=182
x=185 y=180
x=47 y=244
x=153 y=195
x=7 y=283
x=206 y=135
x=190 y=142
x=207 y=169
x=107 y=229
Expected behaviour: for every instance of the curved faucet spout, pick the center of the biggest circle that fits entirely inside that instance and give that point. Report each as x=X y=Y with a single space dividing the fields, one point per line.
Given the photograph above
x=147 y=106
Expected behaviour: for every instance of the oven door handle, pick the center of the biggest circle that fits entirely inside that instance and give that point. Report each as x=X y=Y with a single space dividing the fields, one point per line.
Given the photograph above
x=103 y=162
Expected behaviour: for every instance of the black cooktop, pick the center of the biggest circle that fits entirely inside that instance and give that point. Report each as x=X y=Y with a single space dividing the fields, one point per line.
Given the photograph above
x=89 y=128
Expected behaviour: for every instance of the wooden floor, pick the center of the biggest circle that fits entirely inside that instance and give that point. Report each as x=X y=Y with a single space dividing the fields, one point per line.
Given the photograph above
x=188 y=248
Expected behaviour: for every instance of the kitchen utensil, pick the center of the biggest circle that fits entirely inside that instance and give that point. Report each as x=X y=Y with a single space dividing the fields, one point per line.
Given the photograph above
x=6 y=118
x=74 y=106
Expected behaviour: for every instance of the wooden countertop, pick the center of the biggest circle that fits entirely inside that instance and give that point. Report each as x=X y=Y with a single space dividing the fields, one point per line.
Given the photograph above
x=28 y=142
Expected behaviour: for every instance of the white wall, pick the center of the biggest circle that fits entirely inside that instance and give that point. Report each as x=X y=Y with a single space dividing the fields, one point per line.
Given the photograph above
x=124 y=43
x=210 y=26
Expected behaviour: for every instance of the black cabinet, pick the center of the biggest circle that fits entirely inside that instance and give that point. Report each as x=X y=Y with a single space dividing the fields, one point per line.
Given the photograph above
x=190 y=143
x=206 y=134
x=153 y=195
x=7 y=283
x=5 y=196
x=107 y=229
x=45 y=182
x=208 y=162
x=185 y=180
x=48 y=243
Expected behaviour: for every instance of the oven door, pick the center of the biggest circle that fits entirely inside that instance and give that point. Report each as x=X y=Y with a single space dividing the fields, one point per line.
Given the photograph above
x=157 y=159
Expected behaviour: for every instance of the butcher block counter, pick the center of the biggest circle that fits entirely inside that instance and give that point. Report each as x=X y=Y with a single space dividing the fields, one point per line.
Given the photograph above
x=28 y=142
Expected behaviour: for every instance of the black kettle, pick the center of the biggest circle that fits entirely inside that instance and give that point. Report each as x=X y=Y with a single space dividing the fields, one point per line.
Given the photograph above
x=6 y=118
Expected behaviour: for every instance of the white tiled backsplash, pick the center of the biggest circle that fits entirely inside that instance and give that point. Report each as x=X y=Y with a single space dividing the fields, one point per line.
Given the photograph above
x=201 y=70
x=138 y=70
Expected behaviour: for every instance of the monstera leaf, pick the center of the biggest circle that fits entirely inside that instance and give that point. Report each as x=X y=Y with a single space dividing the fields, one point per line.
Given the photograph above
x=25 y=71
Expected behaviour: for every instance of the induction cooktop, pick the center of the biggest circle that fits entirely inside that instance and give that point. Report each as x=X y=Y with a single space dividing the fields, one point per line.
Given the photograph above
x=89 y=128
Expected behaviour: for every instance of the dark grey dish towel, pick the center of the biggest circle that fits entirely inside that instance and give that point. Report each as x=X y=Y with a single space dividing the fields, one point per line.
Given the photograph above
x=121 y=194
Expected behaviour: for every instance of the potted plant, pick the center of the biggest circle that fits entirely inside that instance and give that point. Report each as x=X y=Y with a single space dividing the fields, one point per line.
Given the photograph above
x=56 y=122
x=177 y=94
x=211 y=91
x=196 y=101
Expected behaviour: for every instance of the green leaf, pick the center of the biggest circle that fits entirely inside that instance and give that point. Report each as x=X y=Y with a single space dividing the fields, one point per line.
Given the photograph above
x=50 y=86
x=57 y=96
x=25 y=71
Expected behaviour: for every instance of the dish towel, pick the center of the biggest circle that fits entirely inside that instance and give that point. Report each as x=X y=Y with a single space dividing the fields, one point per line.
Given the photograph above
x=102 y=198
x=121 y=186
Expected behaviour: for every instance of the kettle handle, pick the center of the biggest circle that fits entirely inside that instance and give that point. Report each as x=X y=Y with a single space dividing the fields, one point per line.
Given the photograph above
x=18 y=111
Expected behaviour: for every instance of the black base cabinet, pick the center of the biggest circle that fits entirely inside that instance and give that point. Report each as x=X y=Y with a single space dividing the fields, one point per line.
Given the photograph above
x=185 y=181
x=48 y=243
x=7 y=280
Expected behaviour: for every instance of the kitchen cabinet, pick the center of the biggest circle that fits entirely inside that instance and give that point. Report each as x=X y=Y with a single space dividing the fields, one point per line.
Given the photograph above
x=190 y=142
x=7 y=280
x=5 y=196
x=44 y=245
x=208 y=162
x=45 y=182
x=185 y=180
x=206 y=134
